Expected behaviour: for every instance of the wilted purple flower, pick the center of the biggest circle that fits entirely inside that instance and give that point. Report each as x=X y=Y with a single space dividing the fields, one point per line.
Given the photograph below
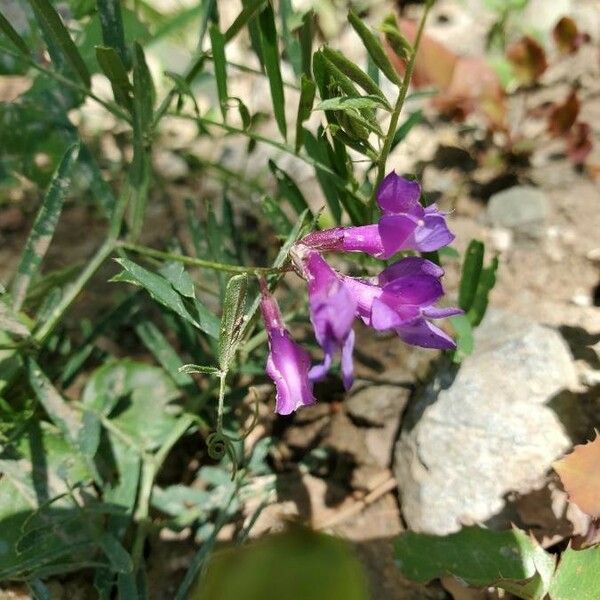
x=405 y=225
x=402 y=299
x=288 y=364
x=332 y=311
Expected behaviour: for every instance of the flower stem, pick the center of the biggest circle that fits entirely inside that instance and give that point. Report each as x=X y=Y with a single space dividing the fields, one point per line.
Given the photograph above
x=197 y=262
x=391 y=132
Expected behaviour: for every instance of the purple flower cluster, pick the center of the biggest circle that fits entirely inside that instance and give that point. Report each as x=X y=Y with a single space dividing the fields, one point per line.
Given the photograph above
x=402 y=298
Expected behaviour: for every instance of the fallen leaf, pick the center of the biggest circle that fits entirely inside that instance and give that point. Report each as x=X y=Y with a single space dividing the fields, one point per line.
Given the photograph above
x=528 y=59
x=580 y=475
x=579 y=142
x=563 y=116
x=465 y=84
x=567 y=36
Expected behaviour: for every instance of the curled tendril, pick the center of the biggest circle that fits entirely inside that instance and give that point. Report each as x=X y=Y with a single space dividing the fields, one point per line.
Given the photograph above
x=219 y=444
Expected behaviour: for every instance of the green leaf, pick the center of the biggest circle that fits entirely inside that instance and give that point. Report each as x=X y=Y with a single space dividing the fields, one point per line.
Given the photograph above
x=471 y=271
x=43 y=227
x=305 y=104
x=111 y=21
x=180 y=279
x=464 y=337
x=276 y=216
x=157 y=286
x=289 y=21
x=577 y=576
x=112 y=66
x=487 y=281
x=204 y=369
x=374 y=48
x=217 y=40
x=510 y=560
x=164 y=353
x=288 y=189
x=118 y=557
x=413 y=119
x=393 y=36
x=129 y=394
x=270 y=54
x=350 y=104
x=302 y=557
x=234 y=305
x=306 y=35
x=52 y=24
x=249 y=11
x=144 y=93
x=10 y=322
x=346 y=66
x=254 y=31
x=8 y=30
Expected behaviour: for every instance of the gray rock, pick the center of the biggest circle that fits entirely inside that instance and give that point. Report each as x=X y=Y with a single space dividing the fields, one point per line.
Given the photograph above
x=521 y=208
x=477 y=432
x=376 y=405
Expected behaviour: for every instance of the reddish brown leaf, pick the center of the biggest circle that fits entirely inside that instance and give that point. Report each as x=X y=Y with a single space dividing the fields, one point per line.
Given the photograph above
x=580 y=475
x=579 y=143
x=567 y=36
x=465 y=84
x=563 y=116
x=528 y=59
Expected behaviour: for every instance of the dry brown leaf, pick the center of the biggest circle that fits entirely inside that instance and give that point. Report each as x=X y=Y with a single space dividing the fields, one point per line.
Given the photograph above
x=579 y=142
x=528 y=59
x=567 y=36
x=580 y=475
x=465 y=84
x=563 y=116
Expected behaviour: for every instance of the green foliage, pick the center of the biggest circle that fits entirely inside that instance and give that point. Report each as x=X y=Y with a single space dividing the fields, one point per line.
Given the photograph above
x=510 y=560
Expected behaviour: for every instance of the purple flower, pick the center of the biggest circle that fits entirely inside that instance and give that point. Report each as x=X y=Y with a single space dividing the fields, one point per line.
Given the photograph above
x=287 y=364
x=405 y=225
x=332 y=312
x=403 y=299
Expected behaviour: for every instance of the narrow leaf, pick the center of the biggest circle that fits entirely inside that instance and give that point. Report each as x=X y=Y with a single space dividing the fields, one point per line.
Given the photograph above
x=43 y=227
x=204 y=369
x=346 y=66
x=217 y=41
x=51 y=23
x=291 y=43
x=144 y=93
x=112 y=66
x=307 y=98
x=270 y=54
x=471 y=271
x=305 y=36
x=111 y=22
x=234 y=305
x=464 y=337
x=487 y=280
x=10 y=322
x=254 y=31
x=249 y=10
x=353 y=104
x=288 y=189
x=276 y=216
x=374 y=47
x=413 y=119
x=8 y=30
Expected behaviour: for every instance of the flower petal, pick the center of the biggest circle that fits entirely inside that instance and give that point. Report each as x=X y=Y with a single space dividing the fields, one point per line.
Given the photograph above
x=411 y=265
x=363 y=239
x=384 y=316
x=395 y=230
x=432 y=312
x=433 y=234
x=347 y=366
x=426 y=335
x=418 y=290
x=399 y=195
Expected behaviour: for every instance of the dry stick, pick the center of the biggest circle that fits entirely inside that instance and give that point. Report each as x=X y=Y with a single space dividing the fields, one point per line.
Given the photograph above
x=356 y=507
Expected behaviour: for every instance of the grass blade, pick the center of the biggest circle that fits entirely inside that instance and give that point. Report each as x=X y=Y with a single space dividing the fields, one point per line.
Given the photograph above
x=52 y=25
x=307 y=98
x=217 y=40
x=374 y=47
x=112 y=66
x=43 y=227
x=270 y=53
x=471 y=272
x=111 y=22
x=8 y=30
x=249 y=10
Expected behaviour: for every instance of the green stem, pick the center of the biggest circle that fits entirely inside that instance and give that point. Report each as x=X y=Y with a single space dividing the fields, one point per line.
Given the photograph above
x=198 y=262
x=73 y=291
x=391 y=132
x=220 y=405
x=339 y=181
